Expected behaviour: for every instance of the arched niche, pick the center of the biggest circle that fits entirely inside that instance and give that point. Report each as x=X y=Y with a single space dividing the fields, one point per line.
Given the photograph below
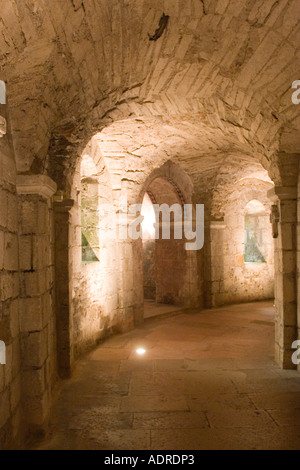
x=256 y=232
x=247 y=254
x=90 y=202
x=94 y=256
x=170 y=272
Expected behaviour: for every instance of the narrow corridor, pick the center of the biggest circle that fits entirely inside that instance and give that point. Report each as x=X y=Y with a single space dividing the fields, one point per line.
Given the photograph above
x=207 y=380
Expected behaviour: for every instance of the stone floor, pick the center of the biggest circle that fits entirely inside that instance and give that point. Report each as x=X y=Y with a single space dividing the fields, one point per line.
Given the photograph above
x=206 y=381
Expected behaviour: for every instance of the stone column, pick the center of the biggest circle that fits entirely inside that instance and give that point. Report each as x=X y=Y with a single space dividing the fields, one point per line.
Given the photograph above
x=285 y=274
x=10 y=373
x=63 y=287
x=217 y=291
x=36 y=292
x=130 y=254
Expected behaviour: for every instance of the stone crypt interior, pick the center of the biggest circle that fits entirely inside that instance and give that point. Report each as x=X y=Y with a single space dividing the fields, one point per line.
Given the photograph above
x=120 y=343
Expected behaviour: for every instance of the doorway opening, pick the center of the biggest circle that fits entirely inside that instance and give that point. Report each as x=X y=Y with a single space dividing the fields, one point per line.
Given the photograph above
x=165 y=266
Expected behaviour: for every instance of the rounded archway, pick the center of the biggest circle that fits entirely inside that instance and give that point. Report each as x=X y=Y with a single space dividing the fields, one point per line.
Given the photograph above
x=94 y=262
x=257 y=233
x=248 y=243
x=170 y=271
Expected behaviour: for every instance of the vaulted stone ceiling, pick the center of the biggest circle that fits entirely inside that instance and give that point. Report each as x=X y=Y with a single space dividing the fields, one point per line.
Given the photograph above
x=204 y=153
x=216 y=83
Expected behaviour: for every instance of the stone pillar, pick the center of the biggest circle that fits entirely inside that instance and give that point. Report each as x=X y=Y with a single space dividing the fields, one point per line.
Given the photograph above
x=285 y=274
x=63 y=287
x=10 y=373
x=193 y=295
x=131 y=296
x=36 y=292
x=217 y=289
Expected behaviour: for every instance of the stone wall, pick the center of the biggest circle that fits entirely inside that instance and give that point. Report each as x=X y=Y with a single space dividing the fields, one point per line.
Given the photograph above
x=95 y=300
x=172 y=275
x=10 y=373
x=37 y=314
x=96 y=297
x=234 y=280
x=27 y=319
x=171 y=271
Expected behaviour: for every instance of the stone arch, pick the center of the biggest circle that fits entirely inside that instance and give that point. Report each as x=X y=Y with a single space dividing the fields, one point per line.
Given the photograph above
x=234 y=169
x=173 y=174
x=95 y=284
x=162 y=137
x=235 y=94
x=93 y=287
x=232 y=279
x=169 y=184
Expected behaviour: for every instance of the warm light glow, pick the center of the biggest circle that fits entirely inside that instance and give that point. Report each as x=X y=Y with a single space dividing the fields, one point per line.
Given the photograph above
x=141 y=351
x=148 y=213
x=254 y=207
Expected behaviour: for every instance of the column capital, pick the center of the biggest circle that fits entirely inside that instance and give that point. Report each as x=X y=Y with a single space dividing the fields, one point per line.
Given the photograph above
x=282 y=193
x=217 y=224
x=63 y=206
x=40 y=185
